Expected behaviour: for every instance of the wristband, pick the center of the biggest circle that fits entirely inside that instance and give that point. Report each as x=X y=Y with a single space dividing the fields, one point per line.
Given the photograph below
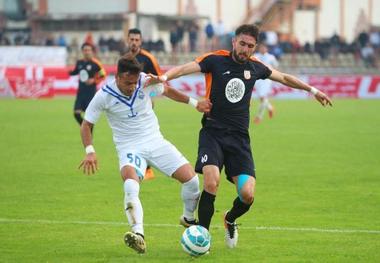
x=89 y=149
x=193 y=102
x=314 y=90
x=164 y=78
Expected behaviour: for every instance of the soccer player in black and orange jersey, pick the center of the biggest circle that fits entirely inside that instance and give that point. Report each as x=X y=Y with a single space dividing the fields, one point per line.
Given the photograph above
x=224 y=139
x=91 y=73
x=149 y=62
x=150 y=65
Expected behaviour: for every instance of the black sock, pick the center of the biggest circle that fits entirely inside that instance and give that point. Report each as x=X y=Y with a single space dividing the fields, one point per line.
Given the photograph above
x=206 y=209
x=78 y=117
x=238 y=209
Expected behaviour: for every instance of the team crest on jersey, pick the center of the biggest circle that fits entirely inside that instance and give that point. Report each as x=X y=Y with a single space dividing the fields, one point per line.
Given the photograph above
x=235 y=90
x=247 y=74
x=141 y=95
x=88 y=67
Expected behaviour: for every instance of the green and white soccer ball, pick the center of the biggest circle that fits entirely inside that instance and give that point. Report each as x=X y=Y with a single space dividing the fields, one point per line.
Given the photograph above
x=196 y=240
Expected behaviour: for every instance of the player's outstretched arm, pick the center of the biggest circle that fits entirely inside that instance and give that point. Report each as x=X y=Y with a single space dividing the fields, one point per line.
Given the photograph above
x=178 y=71
x=201 y=106
x=89 y=164
x=296 y=83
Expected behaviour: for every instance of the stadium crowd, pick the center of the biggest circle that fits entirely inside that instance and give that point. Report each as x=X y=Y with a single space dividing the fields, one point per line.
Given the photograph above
x=190 y=37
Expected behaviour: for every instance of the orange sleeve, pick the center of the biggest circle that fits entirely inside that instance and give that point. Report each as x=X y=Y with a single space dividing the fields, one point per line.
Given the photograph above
x=101 y=74
x=153 y=60
x=218 y=53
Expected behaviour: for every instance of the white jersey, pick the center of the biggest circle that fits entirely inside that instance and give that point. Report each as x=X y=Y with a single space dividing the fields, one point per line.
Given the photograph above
x=263 y=86
x=268 y=59
x=132 y=118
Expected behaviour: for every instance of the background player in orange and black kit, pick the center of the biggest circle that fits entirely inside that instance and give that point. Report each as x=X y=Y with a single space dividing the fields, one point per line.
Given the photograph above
x=150 y=65
x=91 y=73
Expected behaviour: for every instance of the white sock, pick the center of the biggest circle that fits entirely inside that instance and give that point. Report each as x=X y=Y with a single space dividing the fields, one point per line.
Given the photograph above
x=262 y=108
x=190 y=196
x=269 y=106
x=132 y=205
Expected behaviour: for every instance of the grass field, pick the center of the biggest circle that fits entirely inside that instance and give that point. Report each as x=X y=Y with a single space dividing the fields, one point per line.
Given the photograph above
x=317 y=198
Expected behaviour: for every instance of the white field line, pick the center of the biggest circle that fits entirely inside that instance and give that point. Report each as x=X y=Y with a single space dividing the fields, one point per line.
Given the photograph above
x=262 y=228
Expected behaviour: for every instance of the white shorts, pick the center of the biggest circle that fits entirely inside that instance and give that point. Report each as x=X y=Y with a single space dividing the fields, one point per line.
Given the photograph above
x=159 y=153
x=263 y=87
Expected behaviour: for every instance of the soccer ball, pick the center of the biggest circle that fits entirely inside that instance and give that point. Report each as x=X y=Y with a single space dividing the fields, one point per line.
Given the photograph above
x=196 y=240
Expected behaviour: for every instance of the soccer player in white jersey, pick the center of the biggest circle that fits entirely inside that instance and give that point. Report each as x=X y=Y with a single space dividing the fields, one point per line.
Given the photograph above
x=263 y=86
x=139 y=142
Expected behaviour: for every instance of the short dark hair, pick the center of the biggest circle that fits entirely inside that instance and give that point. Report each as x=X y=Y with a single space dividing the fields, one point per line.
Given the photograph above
x=129 y=64
x=247 y=29
x=134 y=31
x=86 y=44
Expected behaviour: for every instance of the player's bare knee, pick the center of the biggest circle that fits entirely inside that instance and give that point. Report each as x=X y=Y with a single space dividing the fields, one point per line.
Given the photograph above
x=247 y=197
x=211 y=186
x=184 y=173
x=128 y=172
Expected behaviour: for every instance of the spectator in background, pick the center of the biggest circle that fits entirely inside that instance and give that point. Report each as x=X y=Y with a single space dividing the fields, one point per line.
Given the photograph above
x=160 y=45
x=49 y=41
x=173 y=39
x=193 y=37
x=368 y=56
x=209 y=30
x=220 y=31
x=307 y=48
x=74 y=46
x=374 y=38
x=4 y=40
x=102 y=44
x=180 y=29
x=18 y=40
x=112 y=44
x=61 y=41
x=271 y=40
x=334 y=48
x=363 y=39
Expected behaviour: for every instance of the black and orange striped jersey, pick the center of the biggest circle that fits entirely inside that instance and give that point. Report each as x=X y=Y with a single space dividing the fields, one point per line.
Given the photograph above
x=149 y=62
x=229 y=87
x=87 y=69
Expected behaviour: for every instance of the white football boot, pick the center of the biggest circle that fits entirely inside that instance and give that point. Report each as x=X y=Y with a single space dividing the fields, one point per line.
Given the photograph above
x=135 y=241
x=231 y=235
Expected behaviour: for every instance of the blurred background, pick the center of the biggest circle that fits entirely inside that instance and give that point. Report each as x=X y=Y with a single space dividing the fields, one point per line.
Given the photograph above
x=334 y=44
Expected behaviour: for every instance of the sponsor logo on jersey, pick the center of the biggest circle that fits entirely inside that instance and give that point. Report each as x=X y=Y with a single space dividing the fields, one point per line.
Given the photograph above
x=235 y=90
x=83 y=75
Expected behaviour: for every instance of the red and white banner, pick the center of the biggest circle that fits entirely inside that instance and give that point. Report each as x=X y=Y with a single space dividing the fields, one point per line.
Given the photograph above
x=19 y=56
x=37 y=82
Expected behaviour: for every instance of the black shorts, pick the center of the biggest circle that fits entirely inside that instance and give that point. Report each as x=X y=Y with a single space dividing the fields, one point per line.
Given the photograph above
x=224 y=148
x=82 y=100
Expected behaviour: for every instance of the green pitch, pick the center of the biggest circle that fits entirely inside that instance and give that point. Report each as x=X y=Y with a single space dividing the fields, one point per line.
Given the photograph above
x=317 y=198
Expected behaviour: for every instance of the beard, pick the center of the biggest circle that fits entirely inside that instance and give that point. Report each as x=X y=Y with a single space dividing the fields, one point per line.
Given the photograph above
x=134 y=48
x=239 y=59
